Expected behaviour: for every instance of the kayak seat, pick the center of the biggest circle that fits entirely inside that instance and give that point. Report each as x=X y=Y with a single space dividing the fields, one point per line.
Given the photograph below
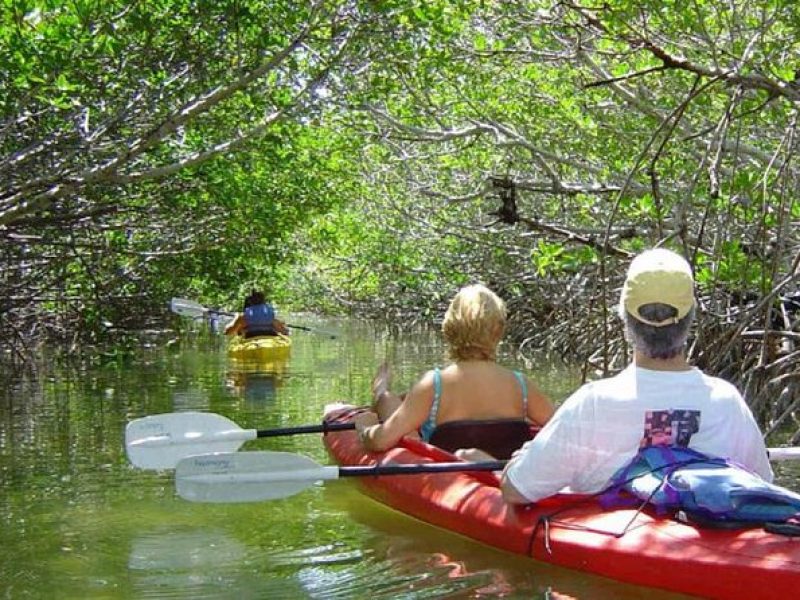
x=260 y=333
x=498 y=437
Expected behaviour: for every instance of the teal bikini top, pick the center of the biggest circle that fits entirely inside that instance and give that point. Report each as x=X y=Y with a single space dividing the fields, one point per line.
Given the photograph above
x=429 y=426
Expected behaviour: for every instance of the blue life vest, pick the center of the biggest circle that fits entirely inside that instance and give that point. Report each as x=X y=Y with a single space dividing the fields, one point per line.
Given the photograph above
x=699 y=489
x=258 y=320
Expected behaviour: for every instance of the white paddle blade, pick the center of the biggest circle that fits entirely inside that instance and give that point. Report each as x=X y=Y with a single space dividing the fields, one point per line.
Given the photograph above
x=160 y=441
x=784 y=453
x=247 y=476
x=187 y=308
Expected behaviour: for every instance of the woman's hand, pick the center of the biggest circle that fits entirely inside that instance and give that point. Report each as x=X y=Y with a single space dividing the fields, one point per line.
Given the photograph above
x=474 y=455
x=364 y=422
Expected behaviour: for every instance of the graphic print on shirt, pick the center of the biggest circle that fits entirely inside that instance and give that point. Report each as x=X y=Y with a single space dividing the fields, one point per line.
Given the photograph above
x=669 y=427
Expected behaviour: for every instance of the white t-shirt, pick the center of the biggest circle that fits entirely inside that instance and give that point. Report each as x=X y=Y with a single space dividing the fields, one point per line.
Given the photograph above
x=604 y=424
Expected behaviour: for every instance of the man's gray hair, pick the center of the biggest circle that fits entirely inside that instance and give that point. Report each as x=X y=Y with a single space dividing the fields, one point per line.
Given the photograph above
x=657 y=342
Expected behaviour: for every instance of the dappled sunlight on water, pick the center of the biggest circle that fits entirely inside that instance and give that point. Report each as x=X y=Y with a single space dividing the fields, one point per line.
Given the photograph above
x=165 y=562
x=456 y=567
x=78 y=521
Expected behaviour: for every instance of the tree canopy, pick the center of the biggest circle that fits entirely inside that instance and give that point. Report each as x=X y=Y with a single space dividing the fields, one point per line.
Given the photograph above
x=374 y=156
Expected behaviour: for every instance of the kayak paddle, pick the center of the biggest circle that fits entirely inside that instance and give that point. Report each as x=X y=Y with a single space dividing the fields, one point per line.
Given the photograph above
x=160 y=441
x=792 y=453
x=312 y=330
x=255 y=476
x=189 y=308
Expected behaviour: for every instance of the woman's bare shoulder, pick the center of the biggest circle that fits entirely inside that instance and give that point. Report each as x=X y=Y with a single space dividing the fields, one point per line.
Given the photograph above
x=426 y=380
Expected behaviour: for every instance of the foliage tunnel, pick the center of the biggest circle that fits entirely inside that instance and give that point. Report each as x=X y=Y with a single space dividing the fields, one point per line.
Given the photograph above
x=371 y=157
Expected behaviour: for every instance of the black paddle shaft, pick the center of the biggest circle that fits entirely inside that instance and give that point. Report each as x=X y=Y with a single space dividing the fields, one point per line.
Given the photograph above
x=324 y=428
x=416 y=469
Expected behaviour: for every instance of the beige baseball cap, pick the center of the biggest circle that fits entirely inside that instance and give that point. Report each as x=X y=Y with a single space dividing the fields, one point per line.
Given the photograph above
x=661 y=276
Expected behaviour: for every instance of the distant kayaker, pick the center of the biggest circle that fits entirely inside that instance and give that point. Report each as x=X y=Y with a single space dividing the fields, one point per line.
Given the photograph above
x=258 y=318
x=472 y=402
x=658 y=400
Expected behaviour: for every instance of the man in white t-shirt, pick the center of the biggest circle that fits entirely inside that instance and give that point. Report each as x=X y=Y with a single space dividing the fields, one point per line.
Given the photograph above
x=659 y=399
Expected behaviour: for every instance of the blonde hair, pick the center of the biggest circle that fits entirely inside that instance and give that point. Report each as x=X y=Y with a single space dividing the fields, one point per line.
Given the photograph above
x=474 y=324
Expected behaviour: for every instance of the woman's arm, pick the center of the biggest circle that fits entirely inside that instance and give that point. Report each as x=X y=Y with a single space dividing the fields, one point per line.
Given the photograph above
x=407 y=419
x=280 y=326
x=236 y=326
x=540 y=408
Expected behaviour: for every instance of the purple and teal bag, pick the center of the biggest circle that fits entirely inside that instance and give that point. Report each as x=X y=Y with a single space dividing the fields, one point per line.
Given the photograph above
x=699 y=489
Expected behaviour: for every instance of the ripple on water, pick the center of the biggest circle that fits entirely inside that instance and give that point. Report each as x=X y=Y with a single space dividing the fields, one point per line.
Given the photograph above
x=325 y=554
x=414 y=581
x=197 y=563
x=333 y=571
x=208 y=563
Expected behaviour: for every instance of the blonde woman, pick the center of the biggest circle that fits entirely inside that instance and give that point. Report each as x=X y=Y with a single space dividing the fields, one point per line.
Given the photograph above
x=471 y=403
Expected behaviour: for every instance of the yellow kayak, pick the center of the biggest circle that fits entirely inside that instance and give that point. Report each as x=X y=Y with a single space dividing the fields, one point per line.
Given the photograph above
x=264 y=347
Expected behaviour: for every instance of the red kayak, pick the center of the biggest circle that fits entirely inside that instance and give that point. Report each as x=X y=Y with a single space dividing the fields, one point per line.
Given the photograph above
x=575 y=532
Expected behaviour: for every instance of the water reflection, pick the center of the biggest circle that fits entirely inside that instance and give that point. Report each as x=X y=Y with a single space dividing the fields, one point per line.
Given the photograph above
x=429 y=562
x=195 y=563
x=77 y=518
x=191 y=399
x=256 y=382
x=168 y=550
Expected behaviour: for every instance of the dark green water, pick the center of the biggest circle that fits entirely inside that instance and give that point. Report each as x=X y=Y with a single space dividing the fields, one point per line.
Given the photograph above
x=77 y=521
